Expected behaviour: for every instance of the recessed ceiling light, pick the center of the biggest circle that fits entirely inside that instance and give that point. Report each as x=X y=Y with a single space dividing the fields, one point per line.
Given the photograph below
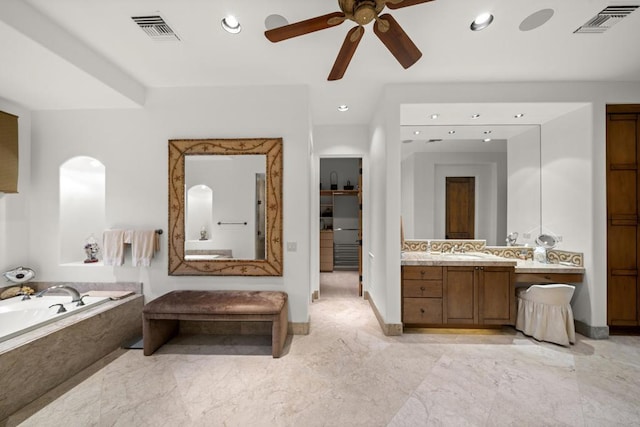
x=517 y=116
x=433 y=140
x=487 y=132
x=482 y=21
x=451 y=132
x=487 y=140
x=407 y=141
x=342 y=108
x=475 y=116
x=416 y=132
x=434 y=116
x=231 y=24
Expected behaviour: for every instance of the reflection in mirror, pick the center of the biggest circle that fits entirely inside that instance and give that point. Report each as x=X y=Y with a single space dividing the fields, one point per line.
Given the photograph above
x=225 y=204
x=504 y=176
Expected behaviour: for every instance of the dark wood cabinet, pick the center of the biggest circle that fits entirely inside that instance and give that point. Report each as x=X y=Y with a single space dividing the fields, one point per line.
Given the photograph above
x=623 y=231
x=458 y=296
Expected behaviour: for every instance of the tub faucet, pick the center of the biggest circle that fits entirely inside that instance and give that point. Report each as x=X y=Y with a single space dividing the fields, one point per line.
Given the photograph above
x=66 y=288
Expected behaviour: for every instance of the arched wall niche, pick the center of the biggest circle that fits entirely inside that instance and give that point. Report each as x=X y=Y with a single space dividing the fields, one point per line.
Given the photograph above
x=82 y=206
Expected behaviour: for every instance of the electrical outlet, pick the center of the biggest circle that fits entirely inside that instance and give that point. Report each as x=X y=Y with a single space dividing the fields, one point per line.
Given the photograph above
x=292 y=246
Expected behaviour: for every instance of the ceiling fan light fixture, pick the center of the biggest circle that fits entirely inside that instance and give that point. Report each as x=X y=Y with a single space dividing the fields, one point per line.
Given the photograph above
x=231 y=24
x=364 y=12
x=482 y=21
x=451 y=132
x=487 y=140
x=519 y=115
x=342 y=108
x=435 y=116
x=416 y=132
x=475 y=116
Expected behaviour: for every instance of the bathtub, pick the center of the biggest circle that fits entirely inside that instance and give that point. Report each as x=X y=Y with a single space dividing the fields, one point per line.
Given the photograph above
x=18 y=317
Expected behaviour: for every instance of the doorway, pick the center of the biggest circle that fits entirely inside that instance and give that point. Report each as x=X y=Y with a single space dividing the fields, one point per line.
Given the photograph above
x=340 y=219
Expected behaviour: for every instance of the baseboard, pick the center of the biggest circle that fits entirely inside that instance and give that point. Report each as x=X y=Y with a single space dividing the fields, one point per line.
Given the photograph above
x=595 y=332
x=389 y=329
x=299 y=328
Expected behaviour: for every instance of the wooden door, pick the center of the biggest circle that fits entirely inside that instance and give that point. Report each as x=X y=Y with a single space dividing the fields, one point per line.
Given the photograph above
x=360 y=227
x=460 y=207
x=461 y=295
x=623 y=233
x=496 y=296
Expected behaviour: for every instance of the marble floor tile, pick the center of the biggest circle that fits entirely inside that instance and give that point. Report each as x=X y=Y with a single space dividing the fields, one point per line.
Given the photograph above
x=347 y=373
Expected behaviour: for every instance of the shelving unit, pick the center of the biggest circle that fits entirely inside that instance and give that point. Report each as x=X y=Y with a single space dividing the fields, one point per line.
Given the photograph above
x=344 y=240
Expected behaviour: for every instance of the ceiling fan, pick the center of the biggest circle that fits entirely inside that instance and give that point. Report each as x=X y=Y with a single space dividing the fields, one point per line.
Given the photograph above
x=362 y=12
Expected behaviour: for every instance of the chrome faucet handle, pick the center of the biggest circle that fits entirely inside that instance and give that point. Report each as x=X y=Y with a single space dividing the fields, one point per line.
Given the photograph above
x=60 y=310
x=79 y=301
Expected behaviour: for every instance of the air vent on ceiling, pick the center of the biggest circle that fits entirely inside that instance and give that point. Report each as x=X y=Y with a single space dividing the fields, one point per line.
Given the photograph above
x=156 y=28
x=606 y=19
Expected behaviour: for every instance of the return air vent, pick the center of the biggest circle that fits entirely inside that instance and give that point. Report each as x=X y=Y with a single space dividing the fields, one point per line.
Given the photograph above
x=606 y=19
x=156 y=28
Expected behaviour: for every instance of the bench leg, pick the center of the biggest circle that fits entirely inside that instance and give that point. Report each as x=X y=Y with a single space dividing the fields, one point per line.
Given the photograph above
x=156 y=332
x=279 y=331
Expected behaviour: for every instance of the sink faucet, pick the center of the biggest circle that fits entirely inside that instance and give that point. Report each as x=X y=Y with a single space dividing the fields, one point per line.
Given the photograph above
x=66 y=288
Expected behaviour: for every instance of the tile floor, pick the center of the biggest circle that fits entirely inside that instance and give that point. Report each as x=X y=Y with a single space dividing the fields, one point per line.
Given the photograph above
x=347 y=373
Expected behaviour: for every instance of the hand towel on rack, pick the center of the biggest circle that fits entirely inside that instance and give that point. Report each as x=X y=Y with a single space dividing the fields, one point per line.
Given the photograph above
x=143 y=245
x=113 y=247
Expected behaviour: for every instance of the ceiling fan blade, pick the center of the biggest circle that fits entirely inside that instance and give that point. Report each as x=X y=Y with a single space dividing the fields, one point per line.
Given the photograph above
x=397 y=4
x=346 y=53
x=305 y=27
x=396 y=40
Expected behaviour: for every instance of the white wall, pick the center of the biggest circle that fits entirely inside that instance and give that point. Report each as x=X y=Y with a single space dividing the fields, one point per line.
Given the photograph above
x=574 y=186
x=132 y=144
x=14 y=208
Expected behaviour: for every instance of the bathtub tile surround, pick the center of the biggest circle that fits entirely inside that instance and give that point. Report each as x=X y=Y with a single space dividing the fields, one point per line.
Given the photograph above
x=346 y=372
x=35 y=362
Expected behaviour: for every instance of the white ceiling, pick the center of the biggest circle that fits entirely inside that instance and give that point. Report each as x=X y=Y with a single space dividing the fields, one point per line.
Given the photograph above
x=89 y=54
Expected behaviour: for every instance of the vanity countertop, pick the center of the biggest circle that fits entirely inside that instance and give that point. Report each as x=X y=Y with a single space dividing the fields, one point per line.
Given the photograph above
x=457 y=259
x=478 y=258
x=538 y=267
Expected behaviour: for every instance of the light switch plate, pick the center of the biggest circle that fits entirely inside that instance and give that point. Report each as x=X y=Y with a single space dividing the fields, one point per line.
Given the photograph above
x=292 y=246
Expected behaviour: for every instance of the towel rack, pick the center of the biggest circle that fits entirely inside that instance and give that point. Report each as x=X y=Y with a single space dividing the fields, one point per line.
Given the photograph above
x=232 y=223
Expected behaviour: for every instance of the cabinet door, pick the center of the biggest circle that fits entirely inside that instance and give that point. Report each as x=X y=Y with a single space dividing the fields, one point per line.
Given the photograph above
x=496 y=296
x=461 y=295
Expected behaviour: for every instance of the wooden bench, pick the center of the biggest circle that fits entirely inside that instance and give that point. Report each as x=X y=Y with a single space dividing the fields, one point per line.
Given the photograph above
x=160 y=317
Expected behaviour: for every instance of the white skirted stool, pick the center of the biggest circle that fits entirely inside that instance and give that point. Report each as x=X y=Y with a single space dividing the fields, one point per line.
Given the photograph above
x=544 y=312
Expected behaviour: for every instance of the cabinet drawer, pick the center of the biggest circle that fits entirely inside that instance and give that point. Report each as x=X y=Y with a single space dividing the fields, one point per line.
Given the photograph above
x=326 y=235
x=326 y=253
x=422 y=310
x=422 y=273
x=422 y=288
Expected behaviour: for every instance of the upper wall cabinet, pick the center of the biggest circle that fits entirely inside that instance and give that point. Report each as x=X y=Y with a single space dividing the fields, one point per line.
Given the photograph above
x=8 y=153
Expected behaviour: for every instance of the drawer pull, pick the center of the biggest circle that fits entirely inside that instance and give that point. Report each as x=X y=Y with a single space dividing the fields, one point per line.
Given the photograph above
x=422 y=288
x=422 y=310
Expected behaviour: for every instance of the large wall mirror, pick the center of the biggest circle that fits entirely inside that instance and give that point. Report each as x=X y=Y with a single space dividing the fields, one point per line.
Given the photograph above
x=225 y=207
x=502 y=164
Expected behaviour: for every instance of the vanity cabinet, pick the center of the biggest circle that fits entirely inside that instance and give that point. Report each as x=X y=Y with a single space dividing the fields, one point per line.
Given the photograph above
x=480 y=295
x=458 y=295
x=422 y=295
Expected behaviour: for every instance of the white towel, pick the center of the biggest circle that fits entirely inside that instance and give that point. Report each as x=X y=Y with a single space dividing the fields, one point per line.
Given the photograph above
x=113 y=247
x=143 y=245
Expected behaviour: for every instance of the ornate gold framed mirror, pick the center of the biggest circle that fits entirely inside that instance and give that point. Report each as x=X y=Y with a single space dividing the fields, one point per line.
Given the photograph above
x=225 y=207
